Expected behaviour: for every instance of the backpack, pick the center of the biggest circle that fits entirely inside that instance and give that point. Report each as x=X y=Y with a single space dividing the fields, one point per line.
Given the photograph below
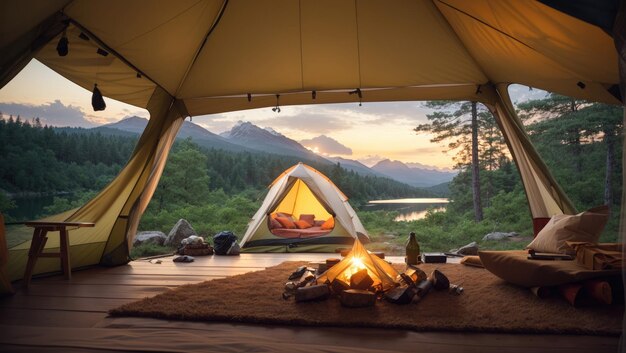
x=225 y=243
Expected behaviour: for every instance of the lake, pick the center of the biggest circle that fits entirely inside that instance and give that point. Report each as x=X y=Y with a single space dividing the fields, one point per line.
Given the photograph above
x=409 y=209
x=31 y=207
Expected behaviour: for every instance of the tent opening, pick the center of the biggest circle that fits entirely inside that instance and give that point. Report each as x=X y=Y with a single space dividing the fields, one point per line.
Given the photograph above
x=303 y=212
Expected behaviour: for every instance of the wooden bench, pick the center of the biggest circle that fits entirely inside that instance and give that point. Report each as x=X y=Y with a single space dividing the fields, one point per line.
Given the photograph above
x=41 y=229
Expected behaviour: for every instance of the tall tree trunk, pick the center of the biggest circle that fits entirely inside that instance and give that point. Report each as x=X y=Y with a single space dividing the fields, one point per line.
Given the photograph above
x=478 y=210
x=610 y=162
x=578 y=161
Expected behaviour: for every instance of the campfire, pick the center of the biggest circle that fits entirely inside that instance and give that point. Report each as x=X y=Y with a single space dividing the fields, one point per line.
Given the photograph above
x=361 y=278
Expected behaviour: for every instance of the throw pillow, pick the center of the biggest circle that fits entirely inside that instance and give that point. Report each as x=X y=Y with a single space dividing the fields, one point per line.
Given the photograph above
x=286 y=222
x=329 y=224
x=309 y=218
x=583 y=227
x=274 y=224
x=302 y=224
x=285 y=215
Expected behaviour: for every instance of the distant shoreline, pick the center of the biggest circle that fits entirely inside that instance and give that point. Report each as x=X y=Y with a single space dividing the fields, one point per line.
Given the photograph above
x=411 y=201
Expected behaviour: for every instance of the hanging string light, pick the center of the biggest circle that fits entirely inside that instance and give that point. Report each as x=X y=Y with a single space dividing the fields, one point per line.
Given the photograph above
x=97 y=101
x=277 y=107
x=63 y=45
x=358 y=93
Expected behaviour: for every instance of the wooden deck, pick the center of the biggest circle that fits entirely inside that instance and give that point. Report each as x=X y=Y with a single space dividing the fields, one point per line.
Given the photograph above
x=61 y=315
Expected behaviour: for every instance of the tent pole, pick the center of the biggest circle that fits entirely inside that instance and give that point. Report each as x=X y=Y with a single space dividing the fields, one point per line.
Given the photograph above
x=619 y=39
x=545 y=197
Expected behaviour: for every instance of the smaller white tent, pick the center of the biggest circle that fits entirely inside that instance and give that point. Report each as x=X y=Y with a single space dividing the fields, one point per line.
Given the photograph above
x=302 y=190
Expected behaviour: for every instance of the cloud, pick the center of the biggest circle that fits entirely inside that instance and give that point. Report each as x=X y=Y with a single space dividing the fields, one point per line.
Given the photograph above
x=326 y=145
x=310 y=122
x=320 y=119
x=520 y=93
x=55 y=113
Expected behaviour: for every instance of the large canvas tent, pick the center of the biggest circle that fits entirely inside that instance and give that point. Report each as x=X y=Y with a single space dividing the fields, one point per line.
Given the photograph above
x=299 y=190
x=193 y=57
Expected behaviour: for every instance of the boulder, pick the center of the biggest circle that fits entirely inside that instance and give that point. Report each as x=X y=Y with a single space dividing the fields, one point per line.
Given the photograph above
x=499 y=235
x=149 y=237
x=180 y=231
x=469 y=249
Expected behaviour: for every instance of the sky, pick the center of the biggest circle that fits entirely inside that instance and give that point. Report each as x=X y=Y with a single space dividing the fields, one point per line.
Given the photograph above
x=368 y=133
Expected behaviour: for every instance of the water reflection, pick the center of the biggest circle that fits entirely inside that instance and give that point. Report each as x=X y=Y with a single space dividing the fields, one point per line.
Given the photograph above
x=409 y=209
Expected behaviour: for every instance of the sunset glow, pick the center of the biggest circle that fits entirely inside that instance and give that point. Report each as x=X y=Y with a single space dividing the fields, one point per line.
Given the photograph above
x=369 y=133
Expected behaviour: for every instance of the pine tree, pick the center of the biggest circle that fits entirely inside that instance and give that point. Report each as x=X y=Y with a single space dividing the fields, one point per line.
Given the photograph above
x=469 y=130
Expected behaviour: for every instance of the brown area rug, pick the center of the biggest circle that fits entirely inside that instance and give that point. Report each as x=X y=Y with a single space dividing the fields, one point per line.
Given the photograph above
x=487 y=305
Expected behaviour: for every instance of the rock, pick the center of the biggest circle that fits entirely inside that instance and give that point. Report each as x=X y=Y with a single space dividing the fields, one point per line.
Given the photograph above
x=149 y=237
x=469 y=249
x=180 y=231
x=192 y=240
x=499 y=235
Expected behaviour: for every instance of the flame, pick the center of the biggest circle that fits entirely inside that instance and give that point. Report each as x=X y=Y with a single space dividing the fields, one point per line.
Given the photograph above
x=357 y=265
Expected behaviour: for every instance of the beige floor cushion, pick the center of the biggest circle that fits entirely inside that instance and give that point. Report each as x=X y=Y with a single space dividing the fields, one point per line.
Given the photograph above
x=514 y=267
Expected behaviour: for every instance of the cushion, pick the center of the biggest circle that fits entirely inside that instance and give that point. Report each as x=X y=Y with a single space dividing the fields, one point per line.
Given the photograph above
x=583 y=227
x=318 y=223
x=309 y=218
x=285 y=215
x=302 y=224
x=274 y=224
x=471 y=260
x=514 y=266
x=329 y=224
x=286 y=222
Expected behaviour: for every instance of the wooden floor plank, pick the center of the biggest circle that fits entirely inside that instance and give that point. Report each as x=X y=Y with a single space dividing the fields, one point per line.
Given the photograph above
x=54 y=303
x=102 y=305
x=49 y=318
x=91 y=291
x=163 y=270
x=132 y=280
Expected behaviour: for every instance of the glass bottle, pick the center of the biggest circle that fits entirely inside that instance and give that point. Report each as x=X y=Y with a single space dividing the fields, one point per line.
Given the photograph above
x=412 y=250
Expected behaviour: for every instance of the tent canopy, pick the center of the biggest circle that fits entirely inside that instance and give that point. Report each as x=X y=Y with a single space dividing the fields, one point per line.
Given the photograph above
x=194 y=57
x=299 y=190
x=211 y=54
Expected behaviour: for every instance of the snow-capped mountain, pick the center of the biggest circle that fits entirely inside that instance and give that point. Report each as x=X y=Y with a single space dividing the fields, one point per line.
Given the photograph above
x=266 y=140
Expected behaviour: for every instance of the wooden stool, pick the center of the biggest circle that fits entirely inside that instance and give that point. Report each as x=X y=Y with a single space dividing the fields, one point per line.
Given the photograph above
x=39 y=242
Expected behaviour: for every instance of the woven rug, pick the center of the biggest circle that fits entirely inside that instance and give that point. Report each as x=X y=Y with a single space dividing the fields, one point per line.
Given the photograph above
x=488 y=304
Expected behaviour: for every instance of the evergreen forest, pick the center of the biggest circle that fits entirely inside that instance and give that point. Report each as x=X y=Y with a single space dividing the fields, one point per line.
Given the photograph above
x=216 y=190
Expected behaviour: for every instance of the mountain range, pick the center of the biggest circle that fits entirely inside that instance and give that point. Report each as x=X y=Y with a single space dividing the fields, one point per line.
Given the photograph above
x=245 y=136
x=420 y=177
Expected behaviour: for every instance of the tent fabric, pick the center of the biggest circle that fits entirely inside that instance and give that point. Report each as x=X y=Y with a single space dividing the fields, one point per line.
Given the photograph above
x=200 y=57
x=545 y=197
x=302 y=189
x=5 y=283
x=107 y=242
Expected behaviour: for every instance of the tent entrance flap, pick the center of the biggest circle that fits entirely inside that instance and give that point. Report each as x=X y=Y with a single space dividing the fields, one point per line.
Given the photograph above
x=301 y=200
